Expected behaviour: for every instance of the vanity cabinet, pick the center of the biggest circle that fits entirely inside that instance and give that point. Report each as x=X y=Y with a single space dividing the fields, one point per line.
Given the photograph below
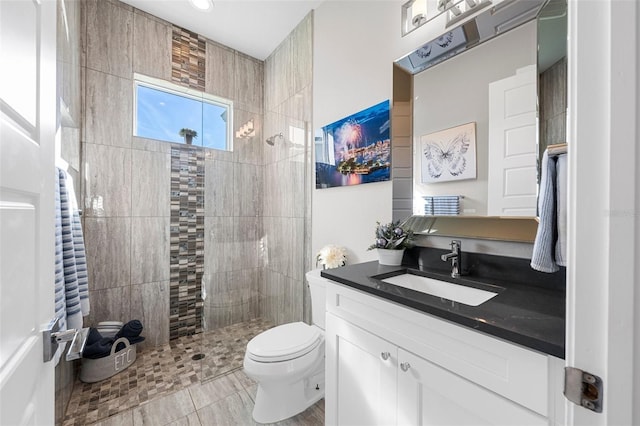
x=388 y=364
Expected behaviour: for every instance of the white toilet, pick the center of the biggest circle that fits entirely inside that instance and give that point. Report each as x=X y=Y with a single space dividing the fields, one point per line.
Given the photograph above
x=287 y=361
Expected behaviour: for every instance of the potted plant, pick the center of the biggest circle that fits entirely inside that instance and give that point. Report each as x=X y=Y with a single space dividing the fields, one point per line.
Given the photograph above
x=391 y=241
x=188 y=135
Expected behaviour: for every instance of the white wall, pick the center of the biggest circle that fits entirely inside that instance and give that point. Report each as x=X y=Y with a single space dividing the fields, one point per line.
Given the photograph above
x=355 y=44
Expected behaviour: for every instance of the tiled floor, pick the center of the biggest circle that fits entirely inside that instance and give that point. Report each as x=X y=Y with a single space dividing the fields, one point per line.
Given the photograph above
x=212 y=390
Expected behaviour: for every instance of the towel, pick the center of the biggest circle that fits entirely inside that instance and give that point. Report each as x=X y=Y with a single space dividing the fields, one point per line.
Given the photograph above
x=59 y=298
x=543 y=258
x=71 y=284
x=131 y=331
x=561 y=210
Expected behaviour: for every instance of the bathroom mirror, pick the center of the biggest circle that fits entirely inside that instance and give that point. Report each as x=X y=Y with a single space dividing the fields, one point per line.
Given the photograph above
x=449 y=100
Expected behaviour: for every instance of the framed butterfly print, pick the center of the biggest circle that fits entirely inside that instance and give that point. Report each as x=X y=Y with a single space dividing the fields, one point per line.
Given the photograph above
x=449 y=154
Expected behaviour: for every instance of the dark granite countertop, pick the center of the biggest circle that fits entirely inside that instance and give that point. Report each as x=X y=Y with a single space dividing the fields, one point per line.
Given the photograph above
x=528 y=314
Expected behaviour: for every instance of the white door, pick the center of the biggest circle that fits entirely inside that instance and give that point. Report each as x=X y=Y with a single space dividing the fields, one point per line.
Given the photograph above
x=361 y=376
x=512 y=189
x=27 y=132
x=431 y=395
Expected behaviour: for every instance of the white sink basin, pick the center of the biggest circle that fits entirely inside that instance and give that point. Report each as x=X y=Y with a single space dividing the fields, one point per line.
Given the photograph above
x=458 y=293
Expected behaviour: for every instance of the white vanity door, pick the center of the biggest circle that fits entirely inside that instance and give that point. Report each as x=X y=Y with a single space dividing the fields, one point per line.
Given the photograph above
x=361 y=373
x=431 y=395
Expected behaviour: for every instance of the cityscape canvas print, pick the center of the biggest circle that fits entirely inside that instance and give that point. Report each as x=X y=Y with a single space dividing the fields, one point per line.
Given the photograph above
x=449 y=154
x=355 y=149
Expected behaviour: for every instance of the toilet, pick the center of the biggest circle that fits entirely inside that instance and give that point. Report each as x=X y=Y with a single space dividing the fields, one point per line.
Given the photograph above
x=287 y=361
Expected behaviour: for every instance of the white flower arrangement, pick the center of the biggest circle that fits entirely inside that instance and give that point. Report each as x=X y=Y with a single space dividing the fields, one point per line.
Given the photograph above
x=331 y=256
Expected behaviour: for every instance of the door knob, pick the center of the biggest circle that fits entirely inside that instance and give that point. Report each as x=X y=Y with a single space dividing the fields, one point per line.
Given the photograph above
x=385 y=355
x=405 y=366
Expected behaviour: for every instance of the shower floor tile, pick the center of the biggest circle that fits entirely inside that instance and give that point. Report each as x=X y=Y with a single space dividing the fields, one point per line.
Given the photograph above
x=160 y=371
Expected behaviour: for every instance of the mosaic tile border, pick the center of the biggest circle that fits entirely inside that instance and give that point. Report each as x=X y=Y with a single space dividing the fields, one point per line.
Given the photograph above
x=188 y=52
x=187 y=241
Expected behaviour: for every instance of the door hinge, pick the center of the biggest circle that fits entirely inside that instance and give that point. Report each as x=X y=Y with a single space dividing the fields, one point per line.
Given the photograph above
x=583 y=388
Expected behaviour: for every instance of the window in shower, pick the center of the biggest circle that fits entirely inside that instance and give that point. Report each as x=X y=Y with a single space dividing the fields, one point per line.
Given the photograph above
x=172 y=113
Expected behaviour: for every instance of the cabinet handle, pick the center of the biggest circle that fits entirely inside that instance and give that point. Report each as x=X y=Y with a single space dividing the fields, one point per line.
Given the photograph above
x=405 y=366
x=385 y=355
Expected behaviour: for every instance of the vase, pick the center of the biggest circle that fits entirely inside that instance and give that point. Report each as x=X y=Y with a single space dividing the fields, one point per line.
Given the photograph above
x=390 y=257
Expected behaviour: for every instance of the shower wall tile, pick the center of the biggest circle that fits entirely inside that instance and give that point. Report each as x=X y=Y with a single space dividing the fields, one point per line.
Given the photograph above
x=107 y=181
x=152 y=145
x=247 y=199
x=108 y=249
x=219 y=244
x=247 y=233
x=113 y=304
x=151 y=46
x=235 y=297
x=249 y=150
x=248 y=83
x=109 y=38
x=150 y=183
x=149 y=249
x=220 y=70
x=188 y=58
x=150 y=305
x=108 y=117
x=302 y=54
x=219 y=188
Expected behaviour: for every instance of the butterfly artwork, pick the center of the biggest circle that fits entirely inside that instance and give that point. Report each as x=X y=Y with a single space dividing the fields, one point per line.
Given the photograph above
x=449 y=154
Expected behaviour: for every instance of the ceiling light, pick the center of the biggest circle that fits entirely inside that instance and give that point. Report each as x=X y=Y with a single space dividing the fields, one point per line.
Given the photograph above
x=202 y=4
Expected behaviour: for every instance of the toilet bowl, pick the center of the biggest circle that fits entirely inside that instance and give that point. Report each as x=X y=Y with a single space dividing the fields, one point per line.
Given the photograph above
x=287 y=361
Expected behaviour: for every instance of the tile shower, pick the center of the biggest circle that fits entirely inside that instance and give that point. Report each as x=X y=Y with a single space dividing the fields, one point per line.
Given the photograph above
x=249 y=242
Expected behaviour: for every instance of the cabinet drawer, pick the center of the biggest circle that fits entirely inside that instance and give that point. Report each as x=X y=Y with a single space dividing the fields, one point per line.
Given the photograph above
x=517 y=373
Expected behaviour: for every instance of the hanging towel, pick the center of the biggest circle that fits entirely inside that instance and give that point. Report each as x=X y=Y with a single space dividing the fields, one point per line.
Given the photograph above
x=561 y=207
x=543 y=258
x=60 y=300
x=76 y=287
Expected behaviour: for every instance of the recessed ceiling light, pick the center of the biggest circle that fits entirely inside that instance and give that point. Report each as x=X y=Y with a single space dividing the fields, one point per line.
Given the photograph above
x=202 y=4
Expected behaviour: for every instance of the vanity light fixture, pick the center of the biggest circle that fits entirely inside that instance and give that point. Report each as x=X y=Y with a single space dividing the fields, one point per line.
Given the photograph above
x=246 y=130
x=414 y=15
x=202 y=4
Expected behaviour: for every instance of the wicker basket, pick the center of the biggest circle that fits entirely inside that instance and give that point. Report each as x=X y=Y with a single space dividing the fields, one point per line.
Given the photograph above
x=94 y=370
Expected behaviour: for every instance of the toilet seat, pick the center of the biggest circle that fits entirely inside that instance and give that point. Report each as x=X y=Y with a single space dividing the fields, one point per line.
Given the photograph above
x=284 y=342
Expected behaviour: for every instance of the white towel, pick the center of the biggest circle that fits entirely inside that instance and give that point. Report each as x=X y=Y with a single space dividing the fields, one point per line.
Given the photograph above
x=561 y=207
x=543 y=258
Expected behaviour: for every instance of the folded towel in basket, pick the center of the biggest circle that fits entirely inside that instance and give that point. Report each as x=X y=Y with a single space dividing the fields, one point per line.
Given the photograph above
x=98 y=349
x=131 y=331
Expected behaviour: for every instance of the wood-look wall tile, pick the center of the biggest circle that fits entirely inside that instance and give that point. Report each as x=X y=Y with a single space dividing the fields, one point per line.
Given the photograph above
x=219 y=188
x=218 y=244
x=249 y=78
x=151 y=46
x=247 y=200
x=220 y=71
x=108 y=249
x=150 y=183
x=109 y=38
x=107 y=181
x=108 y=110
x=249 y=150
x=302 y=54
x=150 y=249
x=111 y=304
x=150 y=305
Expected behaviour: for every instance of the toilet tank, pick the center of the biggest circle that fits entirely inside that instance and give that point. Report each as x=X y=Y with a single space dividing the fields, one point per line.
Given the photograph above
x=317 y=286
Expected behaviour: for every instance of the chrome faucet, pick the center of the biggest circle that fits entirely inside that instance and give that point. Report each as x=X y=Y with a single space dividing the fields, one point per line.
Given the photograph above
x=456 y=258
